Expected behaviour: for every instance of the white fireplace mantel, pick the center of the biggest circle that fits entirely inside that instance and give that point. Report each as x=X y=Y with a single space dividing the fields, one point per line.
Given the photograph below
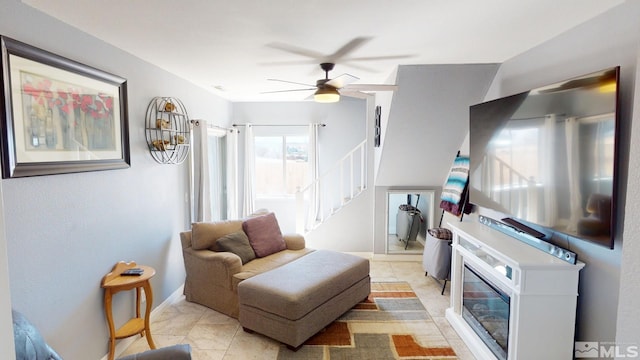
x=543 y=291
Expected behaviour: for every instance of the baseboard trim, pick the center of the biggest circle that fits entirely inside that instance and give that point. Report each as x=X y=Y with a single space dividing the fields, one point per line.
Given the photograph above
x=388 y=257
x=123 y=344
x=366 y=255
x=397 y=257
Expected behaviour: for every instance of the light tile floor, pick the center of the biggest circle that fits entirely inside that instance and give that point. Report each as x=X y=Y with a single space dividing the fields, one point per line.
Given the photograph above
x=214 y=336
x=395 y=246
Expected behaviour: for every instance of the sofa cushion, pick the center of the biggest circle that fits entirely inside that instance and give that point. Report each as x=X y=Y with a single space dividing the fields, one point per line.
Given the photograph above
x=237 y=243
x=260 y=265
x=264 y=234
x=205 y=234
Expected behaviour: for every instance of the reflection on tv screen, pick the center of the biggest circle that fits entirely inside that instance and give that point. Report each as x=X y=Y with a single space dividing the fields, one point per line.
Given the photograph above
x=547 y=156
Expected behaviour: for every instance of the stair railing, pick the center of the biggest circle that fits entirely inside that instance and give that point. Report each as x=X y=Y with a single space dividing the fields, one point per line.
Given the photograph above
x=343 y=181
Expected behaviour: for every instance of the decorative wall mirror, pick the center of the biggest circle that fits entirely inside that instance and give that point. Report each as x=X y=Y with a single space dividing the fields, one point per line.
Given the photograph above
x=409 y=214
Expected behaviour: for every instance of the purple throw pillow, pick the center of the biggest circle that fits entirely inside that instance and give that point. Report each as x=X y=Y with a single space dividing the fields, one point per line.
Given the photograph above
x=264 y=234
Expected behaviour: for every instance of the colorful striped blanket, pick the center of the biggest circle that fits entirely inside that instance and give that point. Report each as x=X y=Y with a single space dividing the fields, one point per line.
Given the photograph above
x=458 y=176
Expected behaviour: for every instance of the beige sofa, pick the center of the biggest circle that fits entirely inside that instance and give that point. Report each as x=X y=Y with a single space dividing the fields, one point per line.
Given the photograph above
x=212 y=276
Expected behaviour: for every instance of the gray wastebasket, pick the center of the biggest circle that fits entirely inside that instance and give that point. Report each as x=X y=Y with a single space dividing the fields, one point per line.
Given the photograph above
x=436 y=258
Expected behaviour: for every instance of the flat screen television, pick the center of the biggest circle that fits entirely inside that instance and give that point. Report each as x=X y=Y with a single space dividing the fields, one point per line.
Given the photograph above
x=546 y=158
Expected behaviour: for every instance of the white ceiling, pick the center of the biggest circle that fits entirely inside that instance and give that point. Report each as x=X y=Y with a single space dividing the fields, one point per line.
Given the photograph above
x=230 y=46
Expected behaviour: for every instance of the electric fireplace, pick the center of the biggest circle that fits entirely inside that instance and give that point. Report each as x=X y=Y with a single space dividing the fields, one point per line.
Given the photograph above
x=510 y=300
x=486 y=309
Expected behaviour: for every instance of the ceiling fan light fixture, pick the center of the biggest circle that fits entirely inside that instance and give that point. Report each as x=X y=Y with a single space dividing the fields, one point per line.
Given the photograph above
x=326 y=95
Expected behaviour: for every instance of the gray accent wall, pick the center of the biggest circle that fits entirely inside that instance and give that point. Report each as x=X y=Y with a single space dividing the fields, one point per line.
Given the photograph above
x=65 y=232
x=6 y=342
x=606 y=288
x=428 y=120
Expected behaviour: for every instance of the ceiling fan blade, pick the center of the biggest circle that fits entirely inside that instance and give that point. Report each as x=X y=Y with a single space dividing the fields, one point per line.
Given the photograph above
x=360 y=67
x=347 y=48
x=342 y=81
x=293 y=62
x=373 y=58
x=296 y=50
x=371 y=87
x=281 y=91
x=351 y=62
x=355 y=94
x=292 y=82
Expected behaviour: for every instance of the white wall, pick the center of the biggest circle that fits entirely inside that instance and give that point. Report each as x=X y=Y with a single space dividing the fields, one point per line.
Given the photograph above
x=64 y=232
x=608 y=40
x=628 y=326
x=350 y=230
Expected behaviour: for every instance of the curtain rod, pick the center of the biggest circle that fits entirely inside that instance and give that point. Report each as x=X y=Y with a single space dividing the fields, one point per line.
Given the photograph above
x=323 y=125
x=196 y=122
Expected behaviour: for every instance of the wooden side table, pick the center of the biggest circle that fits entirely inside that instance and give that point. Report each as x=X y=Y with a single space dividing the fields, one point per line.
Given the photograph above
x=113 y=283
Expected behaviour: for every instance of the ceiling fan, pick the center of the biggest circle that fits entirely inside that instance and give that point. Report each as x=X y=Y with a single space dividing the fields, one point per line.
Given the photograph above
x=342 y=55
x=329 y=90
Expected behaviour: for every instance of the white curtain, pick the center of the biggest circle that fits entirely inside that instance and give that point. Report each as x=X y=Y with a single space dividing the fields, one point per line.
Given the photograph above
x=217 y=171
x=249 y=171
x=604 y=137
x=573 y=160
x=314 y=191
x=201 y=194
x=549 y=216
x=232 y=175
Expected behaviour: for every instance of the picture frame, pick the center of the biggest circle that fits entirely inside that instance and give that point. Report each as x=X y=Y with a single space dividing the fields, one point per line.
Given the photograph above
x=58 y=115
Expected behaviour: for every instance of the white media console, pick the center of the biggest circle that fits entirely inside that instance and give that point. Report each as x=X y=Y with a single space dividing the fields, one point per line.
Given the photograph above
x=540 y=290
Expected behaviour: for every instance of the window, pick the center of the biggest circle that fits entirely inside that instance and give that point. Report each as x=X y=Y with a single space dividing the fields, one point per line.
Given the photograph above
x=282 y=164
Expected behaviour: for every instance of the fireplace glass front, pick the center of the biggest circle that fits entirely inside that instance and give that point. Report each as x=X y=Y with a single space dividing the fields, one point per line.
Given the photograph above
x=486 y=309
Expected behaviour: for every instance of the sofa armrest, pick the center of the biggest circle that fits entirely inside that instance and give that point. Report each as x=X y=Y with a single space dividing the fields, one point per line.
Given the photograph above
x=28 y=341
x=207 y=266
x=175 y=352
x=294 y=241
x=185 y=239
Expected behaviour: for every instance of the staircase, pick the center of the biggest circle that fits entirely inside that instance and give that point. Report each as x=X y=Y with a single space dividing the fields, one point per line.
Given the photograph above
x=331 y=191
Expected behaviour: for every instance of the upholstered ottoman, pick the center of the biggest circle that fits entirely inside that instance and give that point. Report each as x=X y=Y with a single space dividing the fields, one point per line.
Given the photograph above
x=295 y=301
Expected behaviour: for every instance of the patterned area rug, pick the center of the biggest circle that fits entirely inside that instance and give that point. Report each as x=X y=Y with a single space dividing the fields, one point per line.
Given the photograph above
x=390 y=324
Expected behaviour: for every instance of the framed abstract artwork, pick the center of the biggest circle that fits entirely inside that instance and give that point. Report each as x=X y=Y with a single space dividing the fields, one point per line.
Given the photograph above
x=59 y=116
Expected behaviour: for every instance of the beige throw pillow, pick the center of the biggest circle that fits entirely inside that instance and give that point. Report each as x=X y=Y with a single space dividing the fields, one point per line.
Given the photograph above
x=205 y=234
